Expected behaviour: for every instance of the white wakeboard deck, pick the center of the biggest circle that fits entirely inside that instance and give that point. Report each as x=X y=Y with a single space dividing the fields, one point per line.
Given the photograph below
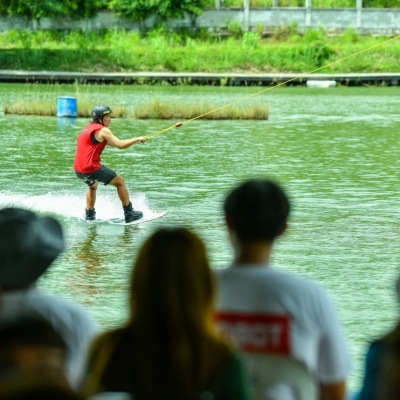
x=152 y=217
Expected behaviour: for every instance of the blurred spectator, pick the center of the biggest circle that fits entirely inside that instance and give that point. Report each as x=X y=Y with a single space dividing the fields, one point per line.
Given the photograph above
x=43 y=392
x=382 y=366
x=31 y=353
x=168 y=349
x=28 y=245
x=272 y=312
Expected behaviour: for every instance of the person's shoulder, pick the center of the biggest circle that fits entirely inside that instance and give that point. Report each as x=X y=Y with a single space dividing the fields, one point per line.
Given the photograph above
x=220 y=270
x=303 y=288
x=269 y=276
x=271 y=283
x=63 y=308
x=375 y=350
x=104 y=130
x=297 y=280
x=111 y=337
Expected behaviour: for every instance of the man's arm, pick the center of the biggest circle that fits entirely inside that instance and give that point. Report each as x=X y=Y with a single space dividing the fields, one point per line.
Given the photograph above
x=334 y=391
x=113 y=141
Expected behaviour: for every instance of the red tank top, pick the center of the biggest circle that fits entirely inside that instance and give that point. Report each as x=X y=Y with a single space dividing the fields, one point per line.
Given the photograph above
x=88 y=152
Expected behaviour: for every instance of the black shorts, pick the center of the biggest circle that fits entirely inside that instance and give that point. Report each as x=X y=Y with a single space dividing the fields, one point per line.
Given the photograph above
x=104 y=175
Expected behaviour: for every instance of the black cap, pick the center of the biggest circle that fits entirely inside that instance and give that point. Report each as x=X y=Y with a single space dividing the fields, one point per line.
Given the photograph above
x=28 y=245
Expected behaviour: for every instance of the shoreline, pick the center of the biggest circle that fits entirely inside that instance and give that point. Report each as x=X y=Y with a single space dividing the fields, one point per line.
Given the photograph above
x=196 y=78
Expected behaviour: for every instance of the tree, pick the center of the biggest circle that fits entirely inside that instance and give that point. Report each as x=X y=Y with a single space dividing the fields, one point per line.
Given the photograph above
x=142 y=9
x=38 y=9
x=177 y=8
x=137 y=9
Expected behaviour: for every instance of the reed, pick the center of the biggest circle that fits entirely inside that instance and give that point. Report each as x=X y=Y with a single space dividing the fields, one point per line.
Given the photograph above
x=154 y=109
x=165 y=110
x=49 y=108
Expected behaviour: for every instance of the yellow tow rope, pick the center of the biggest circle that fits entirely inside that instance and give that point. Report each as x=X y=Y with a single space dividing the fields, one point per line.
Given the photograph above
x=177 y=125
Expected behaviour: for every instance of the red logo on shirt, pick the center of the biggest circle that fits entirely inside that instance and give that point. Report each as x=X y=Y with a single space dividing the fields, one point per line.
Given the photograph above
x=259 y=333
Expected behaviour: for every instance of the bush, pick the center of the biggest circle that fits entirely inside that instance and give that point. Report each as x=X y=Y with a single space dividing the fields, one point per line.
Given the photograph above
x=234 y=28
x=250 y=40
x=284 y=32
x=351 y=35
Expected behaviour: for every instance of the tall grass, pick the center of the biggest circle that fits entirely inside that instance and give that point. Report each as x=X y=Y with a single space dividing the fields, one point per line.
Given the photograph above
x=165 y=110
x=46 y=104
x=49 y=108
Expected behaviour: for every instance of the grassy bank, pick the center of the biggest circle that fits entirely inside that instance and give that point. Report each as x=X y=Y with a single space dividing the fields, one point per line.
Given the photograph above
x=162 y=50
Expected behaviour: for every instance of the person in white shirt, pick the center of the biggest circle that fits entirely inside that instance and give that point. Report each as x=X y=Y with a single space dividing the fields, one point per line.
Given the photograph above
x=28 y=246
x=269 y=311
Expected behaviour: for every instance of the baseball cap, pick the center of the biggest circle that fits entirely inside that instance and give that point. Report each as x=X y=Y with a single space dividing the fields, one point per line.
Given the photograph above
x=28 y=245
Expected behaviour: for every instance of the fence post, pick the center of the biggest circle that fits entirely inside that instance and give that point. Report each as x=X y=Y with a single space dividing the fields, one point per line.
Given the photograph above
x=308 y=13
x=274 y=3
x=246 y=16
x=358 y=17
x=217 y=4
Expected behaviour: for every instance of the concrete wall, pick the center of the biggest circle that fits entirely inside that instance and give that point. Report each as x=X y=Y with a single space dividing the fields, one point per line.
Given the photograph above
x=376 y=21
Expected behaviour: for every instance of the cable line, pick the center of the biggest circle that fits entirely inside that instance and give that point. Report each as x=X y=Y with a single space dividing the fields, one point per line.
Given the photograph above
x=177 y=125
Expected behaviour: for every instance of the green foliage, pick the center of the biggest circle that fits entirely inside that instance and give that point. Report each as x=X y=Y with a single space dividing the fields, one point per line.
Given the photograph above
x=38 y=9
x=234 y=28
x=286 y=31
x=352 y=35
x=314 y=35
x=164 y=50
x=161 y=35
x=260 y=29
x=142 y=9
x=250 y=40
x=177 y=8
x=191 y=43
x=138 y=9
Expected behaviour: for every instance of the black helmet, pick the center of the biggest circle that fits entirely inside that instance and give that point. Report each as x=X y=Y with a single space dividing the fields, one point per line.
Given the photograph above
x=99 y=112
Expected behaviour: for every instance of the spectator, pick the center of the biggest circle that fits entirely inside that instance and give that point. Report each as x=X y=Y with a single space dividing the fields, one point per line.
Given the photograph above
x=382 y=366
x=43 y=392
x=168 y=349
x=31 y=353
x=296 y=316
x=28 y=246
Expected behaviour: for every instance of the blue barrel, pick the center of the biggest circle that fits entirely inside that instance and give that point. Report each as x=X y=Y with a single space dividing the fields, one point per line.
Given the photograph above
x=67 y=106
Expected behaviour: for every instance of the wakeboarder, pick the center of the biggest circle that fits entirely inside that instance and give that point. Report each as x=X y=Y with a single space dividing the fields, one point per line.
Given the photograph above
x=91 y=143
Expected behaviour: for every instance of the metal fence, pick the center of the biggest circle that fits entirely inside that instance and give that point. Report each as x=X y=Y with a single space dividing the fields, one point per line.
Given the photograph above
x=307 y=3
x=309 y=11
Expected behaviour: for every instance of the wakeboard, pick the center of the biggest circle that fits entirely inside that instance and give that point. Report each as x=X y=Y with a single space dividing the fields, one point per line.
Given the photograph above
x=152 y=217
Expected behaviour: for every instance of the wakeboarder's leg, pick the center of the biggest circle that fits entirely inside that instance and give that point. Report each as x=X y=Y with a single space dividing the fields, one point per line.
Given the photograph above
x=130 y=214
x=90 y=213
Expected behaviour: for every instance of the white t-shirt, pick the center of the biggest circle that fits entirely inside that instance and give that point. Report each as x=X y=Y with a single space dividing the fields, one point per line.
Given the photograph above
x=71 y=321
x=272 y=311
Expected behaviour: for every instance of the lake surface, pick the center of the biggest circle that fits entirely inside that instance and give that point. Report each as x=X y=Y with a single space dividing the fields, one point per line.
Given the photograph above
x=335 y=151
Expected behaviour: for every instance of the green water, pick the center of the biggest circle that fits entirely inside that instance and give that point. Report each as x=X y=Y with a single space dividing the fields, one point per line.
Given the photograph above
x=335 y=151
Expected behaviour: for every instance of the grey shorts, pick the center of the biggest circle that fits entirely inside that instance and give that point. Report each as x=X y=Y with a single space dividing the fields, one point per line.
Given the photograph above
x=104 y=175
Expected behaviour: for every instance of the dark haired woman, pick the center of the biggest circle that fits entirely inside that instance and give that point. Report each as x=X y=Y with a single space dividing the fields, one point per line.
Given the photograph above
x=169 y=348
